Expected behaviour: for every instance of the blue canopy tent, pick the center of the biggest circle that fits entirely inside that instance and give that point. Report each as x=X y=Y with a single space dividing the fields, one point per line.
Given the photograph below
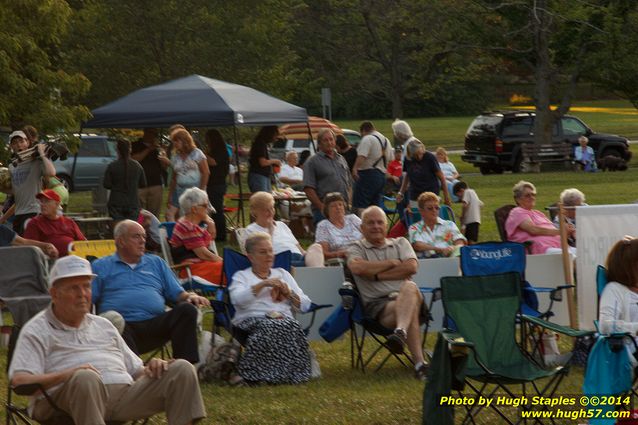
x=196 y=101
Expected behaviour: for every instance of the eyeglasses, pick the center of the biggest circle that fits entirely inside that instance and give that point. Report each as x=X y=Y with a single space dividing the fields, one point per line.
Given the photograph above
x=432 y=208
x=203 y=205
x=529 y=195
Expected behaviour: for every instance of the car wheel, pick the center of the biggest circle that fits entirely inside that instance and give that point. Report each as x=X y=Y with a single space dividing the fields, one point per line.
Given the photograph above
x=611 y=152
x=498 y=170
x=66 y=181
x=485 y=170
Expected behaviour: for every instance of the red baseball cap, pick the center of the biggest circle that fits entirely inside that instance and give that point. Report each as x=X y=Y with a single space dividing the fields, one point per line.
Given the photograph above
x=49 y=194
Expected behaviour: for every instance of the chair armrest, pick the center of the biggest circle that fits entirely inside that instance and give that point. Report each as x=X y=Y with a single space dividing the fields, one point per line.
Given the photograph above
x=27 y=389
x=455 y=339
x=565 y=330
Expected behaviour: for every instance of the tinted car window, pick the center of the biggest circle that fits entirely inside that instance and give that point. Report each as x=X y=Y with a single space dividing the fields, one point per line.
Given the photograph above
x=301 y=144
x=280 y=144
x=572 y=127
x=92 y=148
x=484 y=125
x=518 y=126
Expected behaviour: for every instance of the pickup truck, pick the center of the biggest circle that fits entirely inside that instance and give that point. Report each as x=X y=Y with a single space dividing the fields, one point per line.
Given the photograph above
x=494 y=139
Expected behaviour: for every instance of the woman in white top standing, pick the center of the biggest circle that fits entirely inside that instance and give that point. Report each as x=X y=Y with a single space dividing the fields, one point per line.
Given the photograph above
x=190 y=169
x=262 y=208
x=276 y=350
x=338 y=229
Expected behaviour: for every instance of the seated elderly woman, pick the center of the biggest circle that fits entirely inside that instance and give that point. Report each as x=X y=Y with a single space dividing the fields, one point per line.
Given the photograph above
x=338 y=229
x=276 y=350
x=618 y=310
x=432 y=236
x=262 y=208
x=570 y=198
x=524 y=223
x=190 y=241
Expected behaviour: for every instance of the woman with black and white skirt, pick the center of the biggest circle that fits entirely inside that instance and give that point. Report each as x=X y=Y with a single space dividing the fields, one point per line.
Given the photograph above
x=276 y=350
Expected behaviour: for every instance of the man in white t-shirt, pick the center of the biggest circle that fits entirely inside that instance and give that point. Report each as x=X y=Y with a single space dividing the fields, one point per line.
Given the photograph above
x=471 y=213
x=290 y=174
x=374 y=152
x=87 y=368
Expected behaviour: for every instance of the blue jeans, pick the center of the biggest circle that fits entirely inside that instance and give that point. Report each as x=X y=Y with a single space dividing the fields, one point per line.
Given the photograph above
x=259 y=183
x=368 y=190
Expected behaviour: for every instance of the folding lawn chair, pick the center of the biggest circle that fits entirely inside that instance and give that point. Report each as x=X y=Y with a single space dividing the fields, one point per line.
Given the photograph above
x=222 y=306
x=191 y=282
x=391 y=211
x=485 y=310
x=501 y=257
x=360 y=326
x=92 y=249
x=412 y=215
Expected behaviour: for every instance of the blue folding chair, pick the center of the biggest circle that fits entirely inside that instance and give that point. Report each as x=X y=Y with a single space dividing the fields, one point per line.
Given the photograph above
x=412 y=215
x=391 y=212
x=224 y=311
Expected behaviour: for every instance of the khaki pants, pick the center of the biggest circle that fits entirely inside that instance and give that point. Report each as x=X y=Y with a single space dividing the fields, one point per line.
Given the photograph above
x=89 y=402
x=151 y=199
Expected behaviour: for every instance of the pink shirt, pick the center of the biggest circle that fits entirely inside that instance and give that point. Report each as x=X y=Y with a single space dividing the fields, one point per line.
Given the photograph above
x=541 y=243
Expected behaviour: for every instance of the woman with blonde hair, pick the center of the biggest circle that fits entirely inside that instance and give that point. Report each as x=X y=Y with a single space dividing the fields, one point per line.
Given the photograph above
x=432 y=236
x=448 y=169
x=190 y=169
x=262 y=208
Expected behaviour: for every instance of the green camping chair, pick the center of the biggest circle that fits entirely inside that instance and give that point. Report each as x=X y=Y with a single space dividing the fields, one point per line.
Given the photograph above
x=485 y=311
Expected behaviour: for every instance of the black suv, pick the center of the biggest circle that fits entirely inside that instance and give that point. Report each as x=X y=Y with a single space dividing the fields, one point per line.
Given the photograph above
x=494 y=140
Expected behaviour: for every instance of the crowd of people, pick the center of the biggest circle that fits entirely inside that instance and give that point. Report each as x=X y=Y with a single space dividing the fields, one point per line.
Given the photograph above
x=344 y=186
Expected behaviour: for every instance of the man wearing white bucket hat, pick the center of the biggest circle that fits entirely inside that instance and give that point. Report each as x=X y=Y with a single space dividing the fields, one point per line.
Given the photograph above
x=83 y=362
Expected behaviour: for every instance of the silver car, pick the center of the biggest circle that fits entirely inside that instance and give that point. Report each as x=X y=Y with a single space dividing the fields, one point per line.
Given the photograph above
x=85 y=170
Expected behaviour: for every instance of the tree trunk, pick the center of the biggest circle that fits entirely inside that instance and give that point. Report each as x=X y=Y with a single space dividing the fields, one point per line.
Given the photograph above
x=543 y=73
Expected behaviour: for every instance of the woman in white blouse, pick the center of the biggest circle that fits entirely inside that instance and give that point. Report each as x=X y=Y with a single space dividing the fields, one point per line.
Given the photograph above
x=618 y=309
x=276 y=350
x=262 y=208
x=338 y=229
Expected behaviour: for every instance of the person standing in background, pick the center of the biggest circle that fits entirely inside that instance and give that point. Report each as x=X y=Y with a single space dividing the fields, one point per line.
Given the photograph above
x=348 y=152
x=218 y=163
x=123 y=177
x=153 y=159
x=190 y=169
x=26 y=181
x=260 y=169
x=374 y=152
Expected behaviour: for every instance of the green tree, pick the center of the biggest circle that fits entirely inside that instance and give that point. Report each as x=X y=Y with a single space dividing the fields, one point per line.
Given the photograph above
x=395 y=55
x=36 y=88
x=123 y=45
x=615 y=67
x=553 y=40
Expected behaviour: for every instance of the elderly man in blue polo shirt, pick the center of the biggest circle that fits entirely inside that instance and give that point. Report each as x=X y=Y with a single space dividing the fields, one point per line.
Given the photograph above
x=138 y=286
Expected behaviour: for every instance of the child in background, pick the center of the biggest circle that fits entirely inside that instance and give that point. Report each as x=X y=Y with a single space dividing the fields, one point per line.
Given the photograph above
x=471 y=213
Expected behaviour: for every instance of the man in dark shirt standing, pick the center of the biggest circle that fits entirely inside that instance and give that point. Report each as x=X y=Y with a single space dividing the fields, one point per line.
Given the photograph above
x=153 y=160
